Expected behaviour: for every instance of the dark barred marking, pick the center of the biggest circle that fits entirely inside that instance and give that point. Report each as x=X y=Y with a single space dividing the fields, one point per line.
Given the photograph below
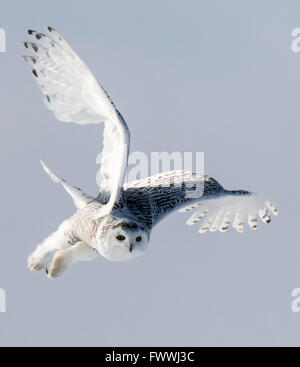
x=35 y=47
x=127 y=226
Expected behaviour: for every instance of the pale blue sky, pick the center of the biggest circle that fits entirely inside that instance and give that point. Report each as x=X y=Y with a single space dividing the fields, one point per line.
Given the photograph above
x=212 y=76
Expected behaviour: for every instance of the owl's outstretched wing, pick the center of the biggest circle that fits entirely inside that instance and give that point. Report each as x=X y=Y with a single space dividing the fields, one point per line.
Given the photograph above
x=151 y=199
x=74 y=95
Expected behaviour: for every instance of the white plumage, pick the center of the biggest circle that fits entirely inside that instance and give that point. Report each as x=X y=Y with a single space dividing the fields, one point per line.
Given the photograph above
x=118 y=222
x=74 y=95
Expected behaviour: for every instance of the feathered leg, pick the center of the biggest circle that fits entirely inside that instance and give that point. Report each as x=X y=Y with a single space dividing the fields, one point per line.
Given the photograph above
x=64 y=258
x=44 y=252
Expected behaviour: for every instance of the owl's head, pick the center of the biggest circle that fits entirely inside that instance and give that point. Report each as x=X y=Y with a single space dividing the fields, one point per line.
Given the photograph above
x=122 y=240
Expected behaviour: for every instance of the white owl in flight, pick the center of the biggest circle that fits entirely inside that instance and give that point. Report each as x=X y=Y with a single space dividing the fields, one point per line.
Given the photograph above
x=117 y=223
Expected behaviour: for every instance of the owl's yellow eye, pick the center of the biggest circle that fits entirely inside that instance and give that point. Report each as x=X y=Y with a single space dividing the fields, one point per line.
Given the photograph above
x=120 y=237
x=138 y=239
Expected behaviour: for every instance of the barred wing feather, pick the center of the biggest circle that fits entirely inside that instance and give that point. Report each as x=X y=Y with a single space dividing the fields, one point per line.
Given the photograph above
x=155 y=197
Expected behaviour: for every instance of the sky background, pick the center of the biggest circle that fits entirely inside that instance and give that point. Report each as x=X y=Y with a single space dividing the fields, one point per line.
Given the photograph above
x=211 y=76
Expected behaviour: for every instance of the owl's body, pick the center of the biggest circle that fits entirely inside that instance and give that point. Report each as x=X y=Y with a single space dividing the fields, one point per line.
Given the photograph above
x=117 y=224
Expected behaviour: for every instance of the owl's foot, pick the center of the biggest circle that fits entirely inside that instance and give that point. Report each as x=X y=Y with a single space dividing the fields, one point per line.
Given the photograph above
x=44 y=252
x=39 y=260
x=62 y=260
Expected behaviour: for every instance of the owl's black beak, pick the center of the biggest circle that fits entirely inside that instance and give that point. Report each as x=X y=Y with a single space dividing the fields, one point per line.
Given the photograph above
x=130 y=247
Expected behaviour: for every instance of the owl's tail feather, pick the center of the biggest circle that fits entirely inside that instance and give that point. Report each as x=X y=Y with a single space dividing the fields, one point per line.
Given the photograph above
x=79 y=197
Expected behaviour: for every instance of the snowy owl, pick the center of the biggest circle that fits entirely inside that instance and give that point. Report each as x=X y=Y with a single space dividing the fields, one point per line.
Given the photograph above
x=117 y=223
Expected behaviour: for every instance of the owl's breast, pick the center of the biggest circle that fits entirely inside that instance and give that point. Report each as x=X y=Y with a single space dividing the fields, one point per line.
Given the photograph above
x=84 y=225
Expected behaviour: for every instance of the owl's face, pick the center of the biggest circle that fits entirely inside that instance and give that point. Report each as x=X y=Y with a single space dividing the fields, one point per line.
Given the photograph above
x=124 y=242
